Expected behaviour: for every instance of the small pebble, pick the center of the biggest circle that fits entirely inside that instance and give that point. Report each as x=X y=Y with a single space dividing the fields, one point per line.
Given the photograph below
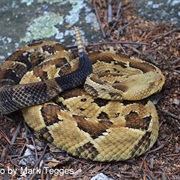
x=176 y=101
x=101 y=176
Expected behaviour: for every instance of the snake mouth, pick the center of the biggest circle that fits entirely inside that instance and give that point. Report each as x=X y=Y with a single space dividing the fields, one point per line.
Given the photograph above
x=159 y=81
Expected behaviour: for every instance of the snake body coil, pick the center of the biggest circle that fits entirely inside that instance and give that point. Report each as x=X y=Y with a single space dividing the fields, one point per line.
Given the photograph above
x=93 y=124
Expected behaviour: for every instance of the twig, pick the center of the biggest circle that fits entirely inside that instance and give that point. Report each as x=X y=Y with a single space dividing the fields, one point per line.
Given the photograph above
x=150 y=50
x=117 y=19
x=174 y=70
x=113 y=26
x=118 y=10
x=40 y=158
x=123 y=49
x=134 y=49
x=4 y=135
x=149 y=174
x=35 y=148
x=109 y=43
x=119 y=42
x=165 y=34
x=97 y=15
x=16 y=133
x=6 y=117
x=100 y=4
x=154 y=150
x=170 y=114
x=37 y=162
x=109 y=12
x=174 y=62
x=22 y=150
x=121 y=28
x=171 y=155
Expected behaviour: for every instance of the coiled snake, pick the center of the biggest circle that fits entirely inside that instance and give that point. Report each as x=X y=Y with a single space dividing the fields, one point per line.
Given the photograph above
x=80 y=111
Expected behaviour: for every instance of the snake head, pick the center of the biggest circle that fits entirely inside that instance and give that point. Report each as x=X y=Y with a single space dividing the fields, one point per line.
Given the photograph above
x=141 y=86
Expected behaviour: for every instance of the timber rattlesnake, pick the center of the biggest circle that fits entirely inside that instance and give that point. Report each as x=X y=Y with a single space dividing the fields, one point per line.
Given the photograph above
x=93 y=124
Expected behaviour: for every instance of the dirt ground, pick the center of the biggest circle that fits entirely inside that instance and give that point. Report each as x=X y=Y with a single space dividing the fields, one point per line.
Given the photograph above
x=134 y=36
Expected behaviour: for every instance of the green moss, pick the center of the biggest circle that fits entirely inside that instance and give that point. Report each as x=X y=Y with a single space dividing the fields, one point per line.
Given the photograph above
x=28 y=2
x=55 y=1
x=43 y=27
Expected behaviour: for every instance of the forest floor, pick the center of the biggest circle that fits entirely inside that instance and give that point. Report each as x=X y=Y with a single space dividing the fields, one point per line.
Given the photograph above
x=134 y=36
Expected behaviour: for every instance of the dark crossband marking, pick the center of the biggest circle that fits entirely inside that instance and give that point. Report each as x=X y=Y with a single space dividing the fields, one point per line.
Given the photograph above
x=93 y=128
x=88 y=150
x=133 y=120
x=49 y=113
